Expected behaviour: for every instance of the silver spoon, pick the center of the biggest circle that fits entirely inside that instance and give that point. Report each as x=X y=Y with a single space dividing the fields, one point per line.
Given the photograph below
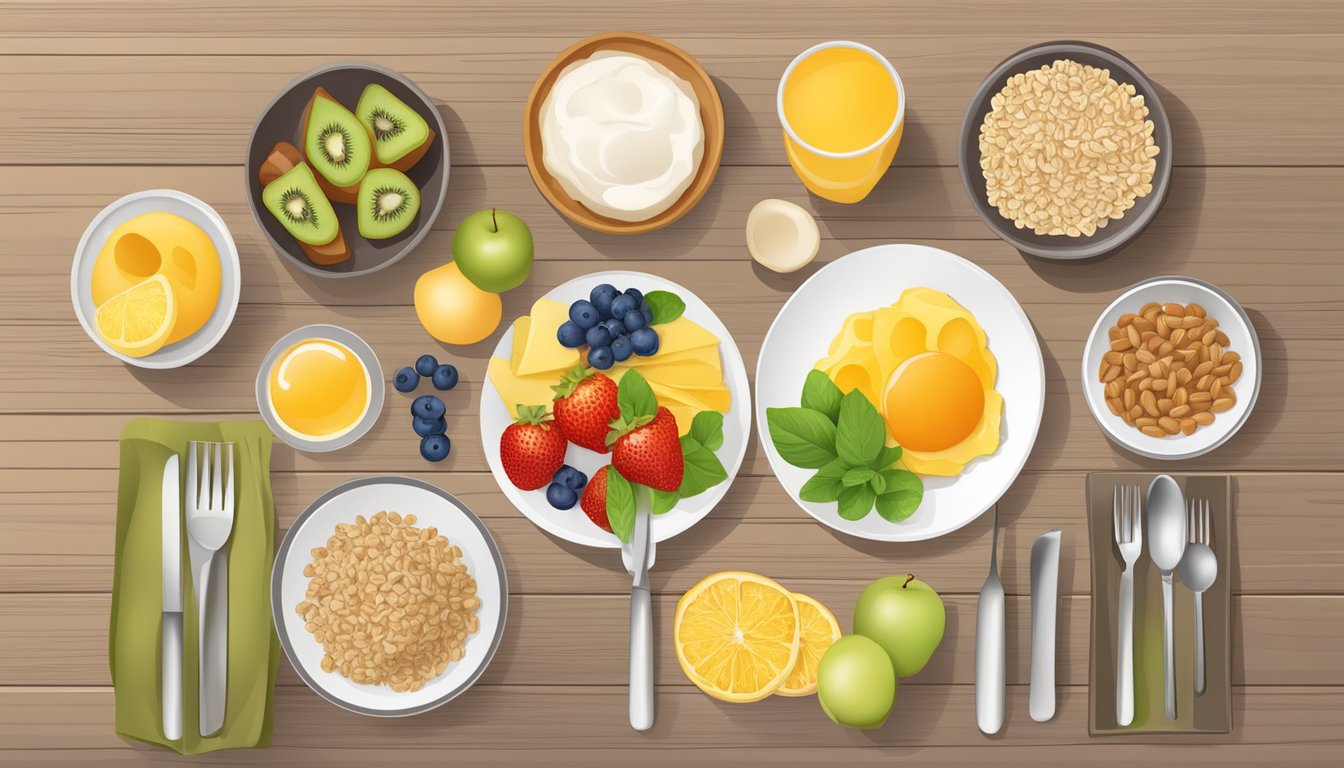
x=1166 y=546
x=1199 y=569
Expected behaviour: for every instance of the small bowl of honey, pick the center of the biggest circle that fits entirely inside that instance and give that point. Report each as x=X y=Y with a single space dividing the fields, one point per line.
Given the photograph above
x=320 y=388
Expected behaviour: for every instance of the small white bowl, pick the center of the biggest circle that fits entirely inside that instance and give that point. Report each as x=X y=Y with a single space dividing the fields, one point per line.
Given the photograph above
x=179 y=353
x=374 y=371
x=1232 y=320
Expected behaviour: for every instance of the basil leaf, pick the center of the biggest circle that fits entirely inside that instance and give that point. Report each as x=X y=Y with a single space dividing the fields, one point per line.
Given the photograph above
x=620 y=504
x=702 y=471
x=857 y=476
x=889 y=455
x=860 y=433
x=825 y=485
x=821 y=394
x=635 y=397
x=707 y=429
x=878 y=483
x=664 y=501
x=856 y=502
x=804 y=437
x=904 y=492
x=666 y=306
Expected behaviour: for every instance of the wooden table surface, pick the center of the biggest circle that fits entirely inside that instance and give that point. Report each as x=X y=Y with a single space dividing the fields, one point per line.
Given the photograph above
x=106 y=98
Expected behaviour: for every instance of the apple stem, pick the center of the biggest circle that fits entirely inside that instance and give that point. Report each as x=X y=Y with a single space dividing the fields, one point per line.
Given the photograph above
x=909 y=577
x=494 y=224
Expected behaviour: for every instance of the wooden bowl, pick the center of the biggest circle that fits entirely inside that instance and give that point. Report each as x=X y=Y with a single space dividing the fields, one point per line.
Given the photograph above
x=681 y=64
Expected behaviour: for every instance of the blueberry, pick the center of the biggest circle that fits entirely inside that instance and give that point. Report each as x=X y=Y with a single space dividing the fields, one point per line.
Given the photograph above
x=645 y=342
x=570 y=477
x=622 y=304
x=435 y=447
x=601 y=297
x=569 y=334
x=427 y=407
x=614 y=326
x=427 y=427
x=406 y=379
x=561 y=496
x=647 y=312
x=598 y=336
x=601 y=358
x=633 y=320
x=445 y=377
x=584 y=314
x=621 y=349
x=635 y=294
x=425 y=365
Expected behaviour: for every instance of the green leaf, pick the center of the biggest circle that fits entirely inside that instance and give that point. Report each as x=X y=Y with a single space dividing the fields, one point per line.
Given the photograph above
x=860 y=433
x=857 y=476
x=702 y=471
x=856 y=502
x=664 y=501
x=878 y=483
x=707 y=429
x=635 y=397
x=904 y=492
x=620 y=505
x=825 y=485
x=821 y=394
x=666 y=306
x=889 y=455
x=804 y=437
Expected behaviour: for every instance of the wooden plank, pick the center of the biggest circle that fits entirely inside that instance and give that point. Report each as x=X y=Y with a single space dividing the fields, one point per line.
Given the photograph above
x=62 y=640
x=563 y=718
x=60 y=529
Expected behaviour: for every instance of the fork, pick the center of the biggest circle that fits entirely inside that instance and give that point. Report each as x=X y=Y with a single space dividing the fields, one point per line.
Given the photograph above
x=1127 y=511
x=1199 y=569
x=209 y=512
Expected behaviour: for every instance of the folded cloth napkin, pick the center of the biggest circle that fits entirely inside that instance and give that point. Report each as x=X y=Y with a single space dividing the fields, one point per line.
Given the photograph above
x=137 y=600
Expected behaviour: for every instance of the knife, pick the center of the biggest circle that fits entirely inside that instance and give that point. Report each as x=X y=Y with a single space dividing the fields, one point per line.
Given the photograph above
x=171 y=652
x=641 y=621
x=1044 y=596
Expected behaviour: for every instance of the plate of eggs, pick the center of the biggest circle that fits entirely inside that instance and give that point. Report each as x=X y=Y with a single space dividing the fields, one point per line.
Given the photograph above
x=320 y=388
x=901 y=379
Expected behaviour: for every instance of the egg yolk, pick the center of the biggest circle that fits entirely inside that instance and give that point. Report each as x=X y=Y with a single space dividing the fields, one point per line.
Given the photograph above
x=933 y=401
x=319 y=388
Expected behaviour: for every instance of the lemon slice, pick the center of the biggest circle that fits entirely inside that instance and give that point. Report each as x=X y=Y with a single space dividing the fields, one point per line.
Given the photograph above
x=137 y=321
x=736 y=635
x=819 y=630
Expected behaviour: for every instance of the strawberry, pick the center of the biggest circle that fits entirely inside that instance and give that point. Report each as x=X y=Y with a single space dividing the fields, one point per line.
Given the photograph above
x=585 y=403
x=594 y=501
x=532 y=448
x=650 y=453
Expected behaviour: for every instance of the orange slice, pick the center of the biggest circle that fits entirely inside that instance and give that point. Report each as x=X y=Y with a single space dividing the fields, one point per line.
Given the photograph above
x=736 y=635
x=818 y=632
x=137 y=321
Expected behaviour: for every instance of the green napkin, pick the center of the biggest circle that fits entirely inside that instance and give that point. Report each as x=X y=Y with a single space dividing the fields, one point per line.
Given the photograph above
x=137 y=594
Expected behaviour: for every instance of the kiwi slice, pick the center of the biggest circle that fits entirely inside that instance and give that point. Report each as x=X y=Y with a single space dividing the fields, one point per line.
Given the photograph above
x=388 y=202
x=400 y=135
x=297 y=201
x=335 y=142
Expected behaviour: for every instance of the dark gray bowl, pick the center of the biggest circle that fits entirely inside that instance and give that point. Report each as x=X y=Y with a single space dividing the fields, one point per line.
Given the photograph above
x=1117 y=232
x=279 y=121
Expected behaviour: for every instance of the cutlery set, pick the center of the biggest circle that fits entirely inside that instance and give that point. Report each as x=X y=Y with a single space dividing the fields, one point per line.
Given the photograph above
x=208 y=507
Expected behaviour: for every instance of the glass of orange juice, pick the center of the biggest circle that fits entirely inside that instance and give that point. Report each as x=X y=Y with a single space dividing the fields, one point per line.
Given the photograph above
x=843 y=110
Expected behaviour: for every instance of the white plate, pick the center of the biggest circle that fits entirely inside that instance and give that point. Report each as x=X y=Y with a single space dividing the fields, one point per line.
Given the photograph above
x=432 y=506
x=876 y=277
x=572 y=524
x=178 y=353
x=1232 y=320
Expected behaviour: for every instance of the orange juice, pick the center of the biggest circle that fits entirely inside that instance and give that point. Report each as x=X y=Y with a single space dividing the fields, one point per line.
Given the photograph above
x=842 y=107
x=319 y=389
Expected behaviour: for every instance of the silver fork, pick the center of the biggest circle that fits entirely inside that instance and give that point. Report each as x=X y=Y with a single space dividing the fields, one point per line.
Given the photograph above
x=1199 y=569
x=209 y=512
x=1127 y=510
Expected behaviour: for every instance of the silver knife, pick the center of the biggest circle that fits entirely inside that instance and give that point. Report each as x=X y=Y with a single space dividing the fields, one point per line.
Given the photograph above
x=170 y=676
x=1044 y=598
x=641 y=620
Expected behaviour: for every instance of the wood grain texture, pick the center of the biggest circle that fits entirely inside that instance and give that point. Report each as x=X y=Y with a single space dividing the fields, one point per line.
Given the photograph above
x=109 y=97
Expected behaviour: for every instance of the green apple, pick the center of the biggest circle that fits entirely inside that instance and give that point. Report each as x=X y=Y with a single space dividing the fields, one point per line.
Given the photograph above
x=905 y=616
x=493 y=248
x=855 y=683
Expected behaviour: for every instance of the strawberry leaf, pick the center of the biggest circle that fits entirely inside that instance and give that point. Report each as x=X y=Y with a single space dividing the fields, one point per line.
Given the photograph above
x=620 y=505
x=570 y=381
x=532 y=414
x=707 y=429
x=664 y=501
x=635 y=397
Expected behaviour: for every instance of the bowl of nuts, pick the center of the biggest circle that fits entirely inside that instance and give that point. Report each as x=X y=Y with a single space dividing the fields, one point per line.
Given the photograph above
x=389 y=596
x=1065 y=150
x=1171 y=369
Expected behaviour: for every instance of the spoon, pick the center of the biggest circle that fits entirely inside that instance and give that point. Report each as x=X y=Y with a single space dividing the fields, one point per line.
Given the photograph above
x=990 y=661
x=1199 y=569
x=1166 y=537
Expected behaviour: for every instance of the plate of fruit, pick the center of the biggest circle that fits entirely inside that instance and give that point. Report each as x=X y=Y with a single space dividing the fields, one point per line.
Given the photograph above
x=617 y=389
x=347 y=168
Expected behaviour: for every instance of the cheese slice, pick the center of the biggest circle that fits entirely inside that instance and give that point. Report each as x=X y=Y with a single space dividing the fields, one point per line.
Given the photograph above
x=679 y=336
x=540 y=351
x=702 y=398
x=525 y=390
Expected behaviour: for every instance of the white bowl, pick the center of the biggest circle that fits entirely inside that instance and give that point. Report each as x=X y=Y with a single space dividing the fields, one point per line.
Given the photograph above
x=1232 y=320
x=178 y=353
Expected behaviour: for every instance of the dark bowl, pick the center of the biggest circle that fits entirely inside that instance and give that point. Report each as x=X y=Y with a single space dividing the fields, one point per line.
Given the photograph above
x=279 y=121
x=1117 y=232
